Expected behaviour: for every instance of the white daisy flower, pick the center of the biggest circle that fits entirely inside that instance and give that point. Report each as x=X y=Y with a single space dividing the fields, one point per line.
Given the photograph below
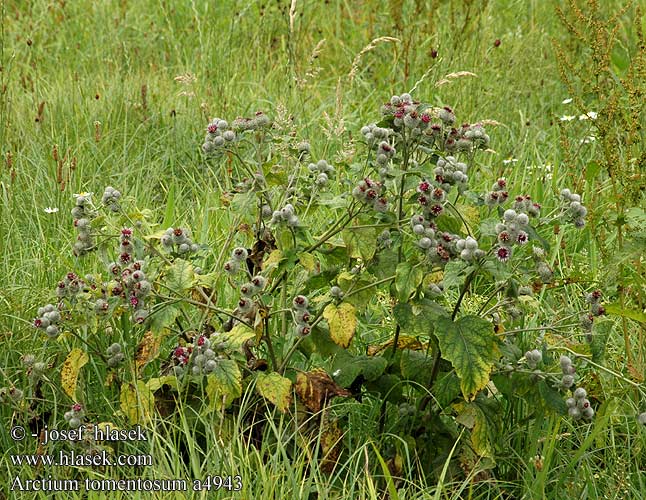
x=567 y=118
x=592 y=115
x=50 y=210
x=509 y=160
x=567 y=101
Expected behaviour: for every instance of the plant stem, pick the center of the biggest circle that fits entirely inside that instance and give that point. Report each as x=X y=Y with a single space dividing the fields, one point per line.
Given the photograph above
x=400 y=216
x=289 y=354
x=270 y=346
x=208 y=306
x=371 y=285
x=454 y=208
x=333 y=230
x=465 y=289
x=603 y=368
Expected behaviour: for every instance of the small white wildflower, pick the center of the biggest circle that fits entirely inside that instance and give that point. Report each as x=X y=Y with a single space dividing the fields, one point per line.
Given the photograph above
x=50 y=210
x=509 y=160
x=567 y=101
x=84 y=194
x=589 y=139
x=567 y=118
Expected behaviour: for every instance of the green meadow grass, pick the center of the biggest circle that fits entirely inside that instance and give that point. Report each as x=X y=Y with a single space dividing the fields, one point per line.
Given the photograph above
x=126 y=88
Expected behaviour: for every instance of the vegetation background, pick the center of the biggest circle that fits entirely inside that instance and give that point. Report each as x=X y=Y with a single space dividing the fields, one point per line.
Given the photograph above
x=119 y=92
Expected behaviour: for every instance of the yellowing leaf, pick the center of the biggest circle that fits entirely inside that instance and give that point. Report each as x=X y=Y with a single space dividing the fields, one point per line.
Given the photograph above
x=273 y=260
x=471 y=215
x=103 y=426
x=472 y=417
x=276 y=389
x=180 y=276
x=156 y=383
x=238 y=335
x=137 y=402
x=259 y=322
x=224 y=384
x=156 y=235
x=433 y=278
x=75 y=360
x=147 y=350
x=404 y=342
x=360 y=242
x=342 y=321
x=331 y=446
x=470 y=345
x=308 y=261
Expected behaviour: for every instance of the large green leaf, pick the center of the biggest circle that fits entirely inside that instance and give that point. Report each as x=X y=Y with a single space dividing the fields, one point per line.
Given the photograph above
x=449 y=223
x=388 y=386
x=616 y=310
x=416 y=366
x=163 y=317
x=488 y=227
x=407 y=279
x=224 y=384
x=347 y=368
x=552 y=398
x=180 y=276
x=471 y=346
x=455 y=272
x=513 y=385
x=384 y=263
x=320 y=342
x=446 y=389
x=418 y=318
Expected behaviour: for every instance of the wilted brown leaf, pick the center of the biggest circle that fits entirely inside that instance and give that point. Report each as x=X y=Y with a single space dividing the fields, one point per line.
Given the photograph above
x=259 y=322
x=635 y=374
x=147 y=350
x=315 y=388
x=264 y=245
x=331 y=446
x=76 y=359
